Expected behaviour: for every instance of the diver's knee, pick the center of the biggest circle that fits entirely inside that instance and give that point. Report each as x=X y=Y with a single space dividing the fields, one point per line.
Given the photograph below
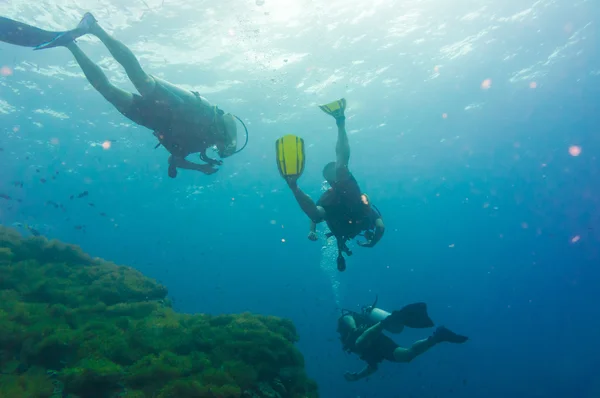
x=145 y=83
x=404 y=356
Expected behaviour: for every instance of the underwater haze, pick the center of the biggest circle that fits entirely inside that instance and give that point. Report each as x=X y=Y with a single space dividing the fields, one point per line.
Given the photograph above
x=473 y=127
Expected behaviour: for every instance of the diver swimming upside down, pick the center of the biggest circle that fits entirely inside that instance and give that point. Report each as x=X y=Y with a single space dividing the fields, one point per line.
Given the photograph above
x=347 y=211
x=183 y=121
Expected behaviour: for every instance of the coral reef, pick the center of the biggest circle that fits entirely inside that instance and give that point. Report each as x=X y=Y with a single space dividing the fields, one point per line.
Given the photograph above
x=75 y=326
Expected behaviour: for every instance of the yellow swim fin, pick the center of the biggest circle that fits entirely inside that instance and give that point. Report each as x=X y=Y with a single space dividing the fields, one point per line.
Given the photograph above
x=335 y=108
x=290 y=156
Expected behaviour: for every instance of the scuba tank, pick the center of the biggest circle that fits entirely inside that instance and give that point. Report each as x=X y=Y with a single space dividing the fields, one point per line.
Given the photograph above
x=375 y=315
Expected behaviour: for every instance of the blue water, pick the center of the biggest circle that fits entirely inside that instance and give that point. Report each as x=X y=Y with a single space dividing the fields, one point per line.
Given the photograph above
x=464 y=120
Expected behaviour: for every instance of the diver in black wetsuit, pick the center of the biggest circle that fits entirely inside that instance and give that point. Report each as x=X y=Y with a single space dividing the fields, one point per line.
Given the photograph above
x=183 y=121
x=347 y=211
x=362 y=334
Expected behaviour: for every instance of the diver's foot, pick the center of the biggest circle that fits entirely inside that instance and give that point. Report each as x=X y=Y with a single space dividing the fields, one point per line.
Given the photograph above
x=87 y=23
x=335 y=109
x=443 y=334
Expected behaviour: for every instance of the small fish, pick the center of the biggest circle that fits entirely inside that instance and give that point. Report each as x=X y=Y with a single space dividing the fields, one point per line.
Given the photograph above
x=80 y=227
x=3 y=196
x=91 y=205
x=33 y=231
x=81 y=195
x=18 y=184
x=56 y=205
x=103 y=214
x=37 y=170
x=42 y=180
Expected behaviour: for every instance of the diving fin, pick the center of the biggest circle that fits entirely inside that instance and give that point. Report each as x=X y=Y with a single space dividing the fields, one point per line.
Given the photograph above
x=443 y=334
x=64 y=38
x=341 y=263
x=289 y=150
x=335 y=108
x=413 y=315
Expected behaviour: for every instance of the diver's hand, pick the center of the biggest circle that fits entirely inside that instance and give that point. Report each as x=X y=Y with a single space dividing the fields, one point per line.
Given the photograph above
x=292 y=181
x=181 y=163
x=313 y=236
x=214 y=162
x=206 y=169
x=351 y=376
x=366 y=243
x=211 y=161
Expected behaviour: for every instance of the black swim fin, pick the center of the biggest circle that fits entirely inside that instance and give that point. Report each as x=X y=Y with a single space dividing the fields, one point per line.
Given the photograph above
x=21 y=34
x=341 y=263
x=413 y=316
x=443 y=334
x=64 y=38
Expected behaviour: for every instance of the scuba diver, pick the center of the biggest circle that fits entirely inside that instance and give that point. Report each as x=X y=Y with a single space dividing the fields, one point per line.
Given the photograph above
x=183 y=121
x=362 y=334
x=347 y=211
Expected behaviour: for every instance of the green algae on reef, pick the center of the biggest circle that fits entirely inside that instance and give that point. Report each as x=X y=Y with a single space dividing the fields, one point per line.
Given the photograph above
x=76 y=326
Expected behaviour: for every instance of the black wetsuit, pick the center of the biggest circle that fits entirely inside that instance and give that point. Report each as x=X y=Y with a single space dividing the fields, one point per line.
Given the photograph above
x=346 y=214
x=382 y=348
x=160 y=111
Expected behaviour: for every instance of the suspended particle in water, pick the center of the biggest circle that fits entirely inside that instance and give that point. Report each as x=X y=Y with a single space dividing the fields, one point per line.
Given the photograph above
x=260 y=2
x=6 y=71
x=575 y=239
x=575 y=150
x=444 y=115
x=532 y=85
x=487 y=83
x=568 y=27
x=54 y=141
x=106 y=145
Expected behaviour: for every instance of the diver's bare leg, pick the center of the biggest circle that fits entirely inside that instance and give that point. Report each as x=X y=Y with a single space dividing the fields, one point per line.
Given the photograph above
x=342 y=150
x=418 y=348
x=121 y=99
x=143 y=82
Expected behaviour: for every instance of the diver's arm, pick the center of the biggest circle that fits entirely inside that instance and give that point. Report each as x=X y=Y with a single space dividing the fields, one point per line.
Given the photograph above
x=308 y=206
x=182 y=163
x=366 y=372
x=379 y=230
